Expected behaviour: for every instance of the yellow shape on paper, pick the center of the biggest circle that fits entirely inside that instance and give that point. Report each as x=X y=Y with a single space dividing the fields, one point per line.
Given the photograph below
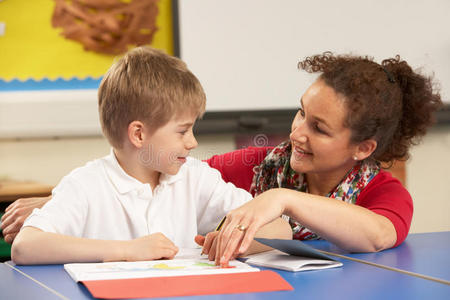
x=167 y=267
x=31 y=48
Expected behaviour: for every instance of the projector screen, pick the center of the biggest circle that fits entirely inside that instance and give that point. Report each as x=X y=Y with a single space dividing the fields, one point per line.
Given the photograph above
x=245 y=52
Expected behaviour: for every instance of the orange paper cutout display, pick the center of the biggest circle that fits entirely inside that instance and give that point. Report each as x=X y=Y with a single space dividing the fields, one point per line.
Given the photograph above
x=107 y=26
x=177 y=286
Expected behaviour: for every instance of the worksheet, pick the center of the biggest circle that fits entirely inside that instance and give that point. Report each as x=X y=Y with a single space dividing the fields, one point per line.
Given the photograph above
x=186 y=262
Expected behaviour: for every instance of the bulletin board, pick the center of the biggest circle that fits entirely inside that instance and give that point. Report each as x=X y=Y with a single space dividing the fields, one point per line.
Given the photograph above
x=45 y=78
x=33 y=50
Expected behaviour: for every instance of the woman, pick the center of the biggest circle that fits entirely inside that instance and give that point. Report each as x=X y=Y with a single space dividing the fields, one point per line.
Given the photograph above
x=356 y=115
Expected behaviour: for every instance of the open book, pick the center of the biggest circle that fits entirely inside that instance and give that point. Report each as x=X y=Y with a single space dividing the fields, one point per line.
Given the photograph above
x=291 y=255
x=187 y=262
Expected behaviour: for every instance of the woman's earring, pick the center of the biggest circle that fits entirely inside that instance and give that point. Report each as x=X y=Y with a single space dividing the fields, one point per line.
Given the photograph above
x=355 y=158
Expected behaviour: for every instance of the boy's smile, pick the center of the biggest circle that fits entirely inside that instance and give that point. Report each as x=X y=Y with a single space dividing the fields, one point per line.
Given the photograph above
x=168 y=147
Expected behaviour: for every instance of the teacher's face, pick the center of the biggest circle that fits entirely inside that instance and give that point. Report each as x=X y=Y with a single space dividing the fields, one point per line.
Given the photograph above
x=320 y=141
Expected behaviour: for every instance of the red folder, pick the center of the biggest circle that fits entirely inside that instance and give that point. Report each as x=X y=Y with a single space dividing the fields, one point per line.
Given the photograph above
x=251 y=282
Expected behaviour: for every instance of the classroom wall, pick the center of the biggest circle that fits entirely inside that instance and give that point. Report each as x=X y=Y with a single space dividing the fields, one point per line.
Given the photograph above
x=428 y=173
x=47 y=160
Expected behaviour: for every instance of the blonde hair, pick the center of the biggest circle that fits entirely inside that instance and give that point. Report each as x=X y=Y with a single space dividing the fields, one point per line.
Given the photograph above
x=149 y=86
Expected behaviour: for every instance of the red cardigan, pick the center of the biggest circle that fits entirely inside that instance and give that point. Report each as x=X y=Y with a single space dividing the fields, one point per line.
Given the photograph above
x=384 y=195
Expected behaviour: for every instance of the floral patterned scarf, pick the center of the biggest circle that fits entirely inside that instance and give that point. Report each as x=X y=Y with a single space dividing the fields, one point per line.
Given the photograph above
x=275 y=172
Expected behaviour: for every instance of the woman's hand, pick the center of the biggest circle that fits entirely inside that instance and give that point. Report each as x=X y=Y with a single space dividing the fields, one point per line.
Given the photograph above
x=209 y=243
x=241 y=225
x=16 y=213
x=278 y=228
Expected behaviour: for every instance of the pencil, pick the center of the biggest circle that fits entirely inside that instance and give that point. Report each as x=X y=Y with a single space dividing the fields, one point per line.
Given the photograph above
x=221 y=224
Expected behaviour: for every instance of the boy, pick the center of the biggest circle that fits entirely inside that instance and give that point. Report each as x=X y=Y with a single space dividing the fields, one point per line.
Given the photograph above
x=147 y=197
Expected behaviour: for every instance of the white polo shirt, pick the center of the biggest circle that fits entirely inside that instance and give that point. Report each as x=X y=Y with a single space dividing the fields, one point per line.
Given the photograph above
x=101 y=201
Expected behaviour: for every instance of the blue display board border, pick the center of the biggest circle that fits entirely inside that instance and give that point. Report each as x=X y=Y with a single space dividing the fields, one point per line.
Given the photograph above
x=46 y=84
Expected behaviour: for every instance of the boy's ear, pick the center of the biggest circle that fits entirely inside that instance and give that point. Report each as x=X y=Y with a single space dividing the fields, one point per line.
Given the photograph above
x=365 y=149
x=136 y=133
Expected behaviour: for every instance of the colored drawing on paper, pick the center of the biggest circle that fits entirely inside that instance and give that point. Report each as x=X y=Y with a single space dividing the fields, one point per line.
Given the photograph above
x=174 y=265
x=147 y=269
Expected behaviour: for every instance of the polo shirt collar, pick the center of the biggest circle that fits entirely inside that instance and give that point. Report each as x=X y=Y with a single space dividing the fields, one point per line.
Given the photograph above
x=169 y=179
x=125 y=183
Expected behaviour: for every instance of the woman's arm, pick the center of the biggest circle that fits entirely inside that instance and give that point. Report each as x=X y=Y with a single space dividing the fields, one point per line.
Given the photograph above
x=277 y=229
x=349 y=226
x=16 y=213
x=34 y=246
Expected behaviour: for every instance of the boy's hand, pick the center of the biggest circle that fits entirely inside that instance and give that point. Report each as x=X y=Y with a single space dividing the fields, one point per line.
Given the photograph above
x=150 y=247
x=16 y=213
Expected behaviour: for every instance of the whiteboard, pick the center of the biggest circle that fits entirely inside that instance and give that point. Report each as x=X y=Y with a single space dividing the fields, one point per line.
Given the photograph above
x=245 y=52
